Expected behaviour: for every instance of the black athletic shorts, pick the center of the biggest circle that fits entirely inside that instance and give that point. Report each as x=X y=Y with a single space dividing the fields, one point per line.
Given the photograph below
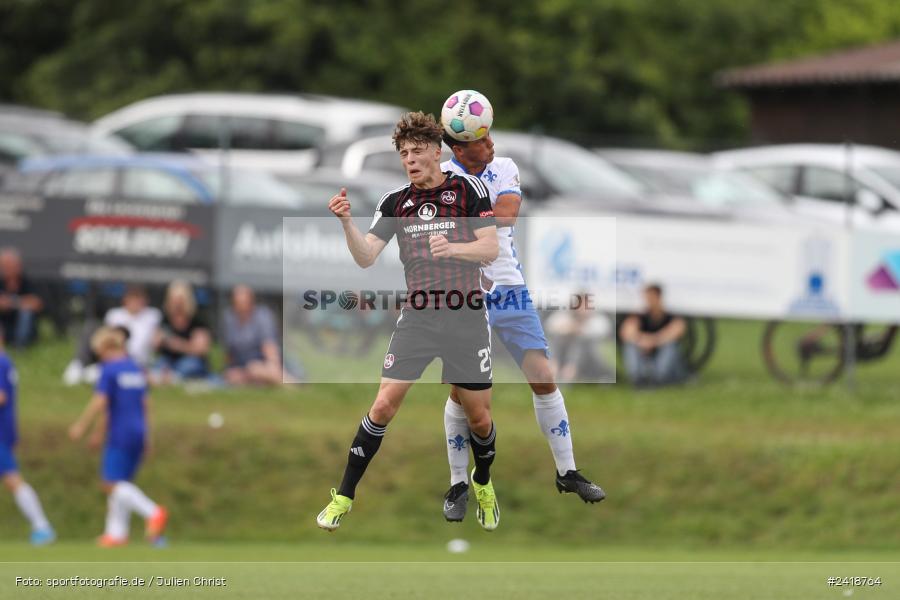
x=460 y=338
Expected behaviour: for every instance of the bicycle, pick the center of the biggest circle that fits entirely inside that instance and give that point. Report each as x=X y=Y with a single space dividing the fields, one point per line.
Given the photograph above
x=816 y=353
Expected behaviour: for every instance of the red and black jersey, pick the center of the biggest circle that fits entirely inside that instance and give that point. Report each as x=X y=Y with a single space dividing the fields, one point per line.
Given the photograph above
x=455 y=209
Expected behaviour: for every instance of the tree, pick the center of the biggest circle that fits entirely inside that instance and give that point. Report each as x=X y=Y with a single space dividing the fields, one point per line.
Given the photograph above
x=602 y=70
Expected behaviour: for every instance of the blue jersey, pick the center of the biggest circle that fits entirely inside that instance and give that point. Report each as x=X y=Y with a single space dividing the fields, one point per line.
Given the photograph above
x=123 y=383
x=8 y=382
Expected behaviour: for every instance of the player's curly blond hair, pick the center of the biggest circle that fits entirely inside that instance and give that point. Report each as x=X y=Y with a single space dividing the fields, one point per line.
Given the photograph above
x=107 y=338
x=417 y=127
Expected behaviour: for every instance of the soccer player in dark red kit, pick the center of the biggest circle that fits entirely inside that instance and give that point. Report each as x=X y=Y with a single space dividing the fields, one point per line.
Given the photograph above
x=445 y=229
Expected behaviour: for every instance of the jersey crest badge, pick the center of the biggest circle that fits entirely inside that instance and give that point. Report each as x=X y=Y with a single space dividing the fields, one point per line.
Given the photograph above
x=427 y=211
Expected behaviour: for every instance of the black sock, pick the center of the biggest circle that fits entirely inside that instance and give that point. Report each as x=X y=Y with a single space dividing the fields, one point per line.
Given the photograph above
x=365 y=445
x=483 y=451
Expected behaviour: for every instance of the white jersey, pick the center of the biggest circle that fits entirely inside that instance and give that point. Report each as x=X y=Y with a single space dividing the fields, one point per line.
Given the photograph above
x=500 y=176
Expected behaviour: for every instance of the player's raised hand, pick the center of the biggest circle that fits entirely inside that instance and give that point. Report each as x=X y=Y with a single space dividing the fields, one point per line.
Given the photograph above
x=339 y=205
x=440 y=247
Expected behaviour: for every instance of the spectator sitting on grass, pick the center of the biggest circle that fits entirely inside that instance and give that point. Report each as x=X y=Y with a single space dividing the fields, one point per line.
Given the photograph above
x=139 y=320
x=251 y=342
x=651 y=343
x=183 y=340
x=19 y=303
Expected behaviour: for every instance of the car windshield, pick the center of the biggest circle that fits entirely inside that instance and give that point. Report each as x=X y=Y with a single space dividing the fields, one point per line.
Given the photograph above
x=709 y=186
x=889 y=173
x=572 y=170
x=251 y=188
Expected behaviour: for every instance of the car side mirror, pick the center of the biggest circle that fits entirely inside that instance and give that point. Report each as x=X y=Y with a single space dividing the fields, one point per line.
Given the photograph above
x=869 y=200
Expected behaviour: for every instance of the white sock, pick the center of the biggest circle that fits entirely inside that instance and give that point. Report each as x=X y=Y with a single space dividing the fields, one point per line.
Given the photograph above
x=134 y=499
x=456 y=431
x=30 y=506
x=117 y=515
x=552 y=418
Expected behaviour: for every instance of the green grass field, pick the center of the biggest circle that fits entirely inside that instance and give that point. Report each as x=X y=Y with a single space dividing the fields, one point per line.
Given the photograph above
x=733 y=467
x=332 y=569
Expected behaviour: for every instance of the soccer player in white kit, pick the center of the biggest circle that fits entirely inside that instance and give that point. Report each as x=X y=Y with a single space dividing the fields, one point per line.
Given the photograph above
x=519 y=329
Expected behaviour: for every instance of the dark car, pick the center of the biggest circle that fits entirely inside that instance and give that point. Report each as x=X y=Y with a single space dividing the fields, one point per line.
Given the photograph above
x=26 y=132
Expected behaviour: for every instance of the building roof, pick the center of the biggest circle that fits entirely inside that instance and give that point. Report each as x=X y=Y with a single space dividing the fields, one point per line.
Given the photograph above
x=871 y=64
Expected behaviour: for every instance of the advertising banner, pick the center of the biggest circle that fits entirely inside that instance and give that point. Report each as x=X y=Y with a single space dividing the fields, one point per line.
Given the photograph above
x=706 y=268
x=106 y=240
x=875 y=277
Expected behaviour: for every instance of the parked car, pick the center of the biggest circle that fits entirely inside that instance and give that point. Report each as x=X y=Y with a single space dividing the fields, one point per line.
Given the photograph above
x=695 y=176
x=836 y=181
x=174 y=178
x=273 y=132
x=26 y=132
x=548 y=166
x=551 y=170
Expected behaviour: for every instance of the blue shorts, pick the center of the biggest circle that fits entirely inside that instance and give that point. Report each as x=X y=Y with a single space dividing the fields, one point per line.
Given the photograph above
x=120 y=464
x=8 y=462
x=514 y=320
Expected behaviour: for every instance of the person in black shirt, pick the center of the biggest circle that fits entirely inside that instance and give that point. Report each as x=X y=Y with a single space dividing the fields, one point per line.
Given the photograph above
x=651 y=352
x=183 y=340
x=19 y=303
x=445 y=229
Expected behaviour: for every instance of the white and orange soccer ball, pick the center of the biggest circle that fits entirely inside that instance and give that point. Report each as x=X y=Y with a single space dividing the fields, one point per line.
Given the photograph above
x=467 y=115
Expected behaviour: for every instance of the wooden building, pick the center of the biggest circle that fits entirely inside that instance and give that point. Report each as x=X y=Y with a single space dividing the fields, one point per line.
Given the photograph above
x=852 y=95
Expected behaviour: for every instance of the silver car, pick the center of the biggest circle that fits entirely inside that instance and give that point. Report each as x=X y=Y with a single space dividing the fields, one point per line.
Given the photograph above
x=694 y=176
x=841 y=183
x=278 y=133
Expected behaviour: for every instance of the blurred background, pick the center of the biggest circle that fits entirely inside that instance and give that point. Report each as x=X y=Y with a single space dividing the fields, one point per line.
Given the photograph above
x=749 y=152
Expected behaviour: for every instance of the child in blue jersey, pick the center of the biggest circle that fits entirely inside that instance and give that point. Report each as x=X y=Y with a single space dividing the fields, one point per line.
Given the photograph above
x=120 y=401
x=26 y=498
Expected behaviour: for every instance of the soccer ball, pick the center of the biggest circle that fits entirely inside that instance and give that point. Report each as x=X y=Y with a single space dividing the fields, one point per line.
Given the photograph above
x=467 y=116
